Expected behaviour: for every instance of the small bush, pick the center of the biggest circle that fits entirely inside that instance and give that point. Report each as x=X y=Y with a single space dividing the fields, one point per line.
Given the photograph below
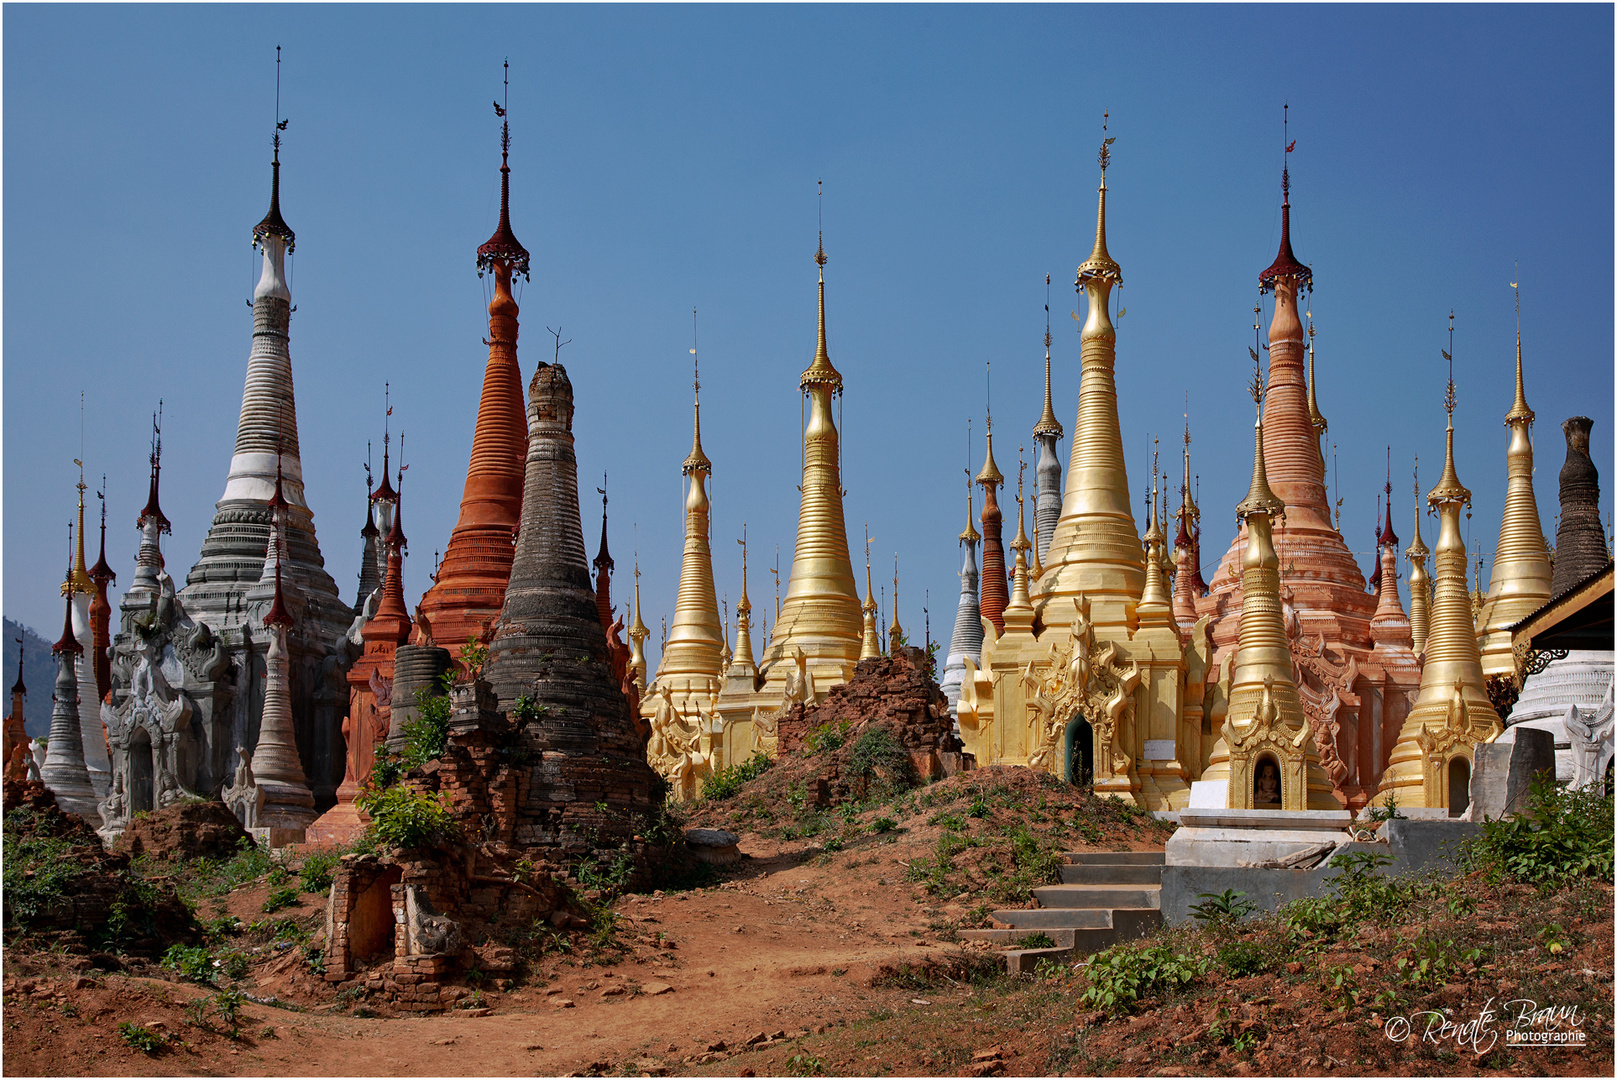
x=1242 y=958
x=141 y=1037
x=827 y=737
x=1563 y=836
x=405 y=818
x=191 y=962
x=1220 y=908
x=726 y=783
x=315 y=877
x=1123 y=974
x=1040 y=940
x=878 y=760
x=883 y=825
x=283 y=896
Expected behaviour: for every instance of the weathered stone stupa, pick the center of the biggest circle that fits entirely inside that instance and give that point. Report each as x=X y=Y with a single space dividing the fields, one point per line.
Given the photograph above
x=232 y=559
x=464 y=601
x=967 y=639
x=64 y=771
x=549 y=650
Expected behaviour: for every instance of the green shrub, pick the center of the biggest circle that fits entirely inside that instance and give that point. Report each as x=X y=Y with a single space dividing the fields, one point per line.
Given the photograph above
x=827 y=737
x=141 y=1037
x=191 y=962
x=1564 y=835
x=1039 y=940
x=883 y=824
x=283 y=896
x=406 y=818
x=726 y=783
x=1241 y=958
x=878 y=759
x=1123 y=974
x=315 y=877
x=39 y=871
x=1219 y=908
x=225 y=1005
x=427 y=733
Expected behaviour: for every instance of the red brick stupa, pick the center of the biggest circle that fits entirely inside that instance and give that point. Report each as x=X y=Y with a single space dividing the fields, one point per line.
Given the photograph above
x=370 y=688
x=470 y=587
x=1354 y=703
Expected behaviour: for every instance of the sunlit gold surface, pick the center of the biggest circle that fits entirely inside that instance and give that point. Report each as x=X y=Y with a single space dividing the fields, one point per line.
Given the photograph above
x=1452 y=713
x=1521 y=563
x=692 y=655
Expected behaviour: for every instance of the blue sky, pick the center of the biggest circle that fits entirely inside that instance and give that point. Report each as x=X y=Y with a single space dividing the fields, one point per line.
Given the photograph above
x=666 y=157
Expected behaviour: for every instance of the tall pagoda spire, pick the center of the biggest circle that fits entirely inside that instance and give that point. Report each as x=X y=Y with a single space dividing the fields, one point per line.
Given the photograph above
x=1263 y=695
x=742 y=663
x=64 y=771
x=152 y=525
x=101 y=607
x=1326 y=582
x=820 y=614
x=1188 y=585
x=465 y=600
x=1315 y=417
x=869 y=643
x=967 y=639
x=1047 y=468
x=995 y=589
x=1389 y=625
x=223 y=588
x=1522 y=573
x=637 y=637
x=80 y=589
x=370 y=538
x=603 y=567
x=1452 y=713
x=695 y=645
x=1095 y=548
x=1420 y=584
x=1155 y=607
x=384 y=497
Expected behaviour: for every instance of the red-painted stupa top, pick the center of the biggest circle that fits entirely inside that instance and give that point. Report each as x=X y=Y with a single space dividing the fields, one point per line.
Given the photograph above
x=101 y=573
x=395 y=534
x=153 y=511
x=1386 y=535
x=503 y=246
x=18 y=687
x=384 y=491
x=1286 y=264
x=278 y=615
x=67 y=643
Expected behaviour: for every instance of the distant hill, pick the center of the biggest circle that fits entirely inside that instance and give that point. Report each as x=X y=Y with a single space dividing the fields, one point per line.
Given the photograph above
x=38 y=674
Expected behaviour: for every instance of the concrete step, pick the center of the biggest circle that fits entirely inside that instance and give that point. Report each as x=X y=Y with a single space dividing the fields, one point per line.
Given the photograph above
x=1128 y=925
x=1112 y=874
x=1099 y=896
x=1046 y=919
x=1062 y=936
x=1114 y=858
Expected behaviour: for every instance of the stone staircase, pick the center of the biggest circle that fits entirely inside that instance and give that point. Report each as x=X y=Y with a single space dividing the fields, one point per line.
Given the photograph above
x=1105 y=897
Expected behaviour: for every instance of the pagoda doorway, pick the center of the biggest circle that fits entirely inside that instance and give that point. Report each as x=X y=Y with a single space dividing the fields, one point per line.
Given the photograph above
x=140 y=772
x=1080 y=755
x=1459 y=786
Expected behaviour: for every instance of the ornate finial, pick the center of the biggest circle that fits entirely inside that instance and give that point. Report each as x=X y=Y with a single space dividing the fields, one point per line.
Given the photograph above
x=1386 y=537
x=1048 y=424
x=503 y=247
x=1286 y=265
x=970 y=535
x=775 y=569
x=1336 y=473
x=1259 y=497
x=819 y=255
x=1519 y=410
x=870 y=594
x=696 y=459
x=1449 y=398
x=990 y=475
x=1100 y=266
x=821 y=372
x=1449 y=488
x=744 y=604
x=273 y=224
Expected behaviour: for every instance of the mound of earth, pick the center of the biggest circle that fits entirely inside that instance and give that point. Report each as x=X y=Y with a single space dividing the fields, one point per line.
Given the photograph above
x=186 y=830
x=61 y=886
